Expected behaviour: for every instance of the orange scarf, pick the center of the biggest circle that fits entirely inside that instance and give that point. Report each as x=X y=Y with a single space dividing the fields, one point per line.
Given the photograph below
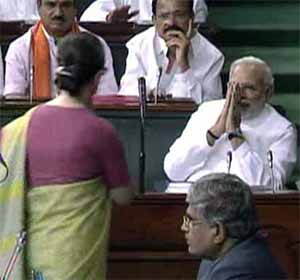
x=41 y=62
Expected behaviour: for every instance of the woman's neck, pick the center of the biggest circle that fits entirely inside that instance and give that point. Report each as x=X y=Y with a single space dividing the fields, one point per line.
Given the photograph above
x=64 y=99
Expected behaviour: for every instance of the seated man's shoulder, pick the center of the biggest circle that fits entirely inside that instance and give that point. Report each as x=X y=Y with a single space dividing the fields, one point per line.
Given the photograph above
x=251 y=257
x=21 y=42
x=142 y=39
x=281 y=120
x=205 y=45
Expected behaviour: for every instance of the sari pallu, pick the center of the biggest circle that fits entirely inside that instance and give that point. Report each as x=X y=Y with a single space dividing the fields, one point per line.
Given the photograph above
x=12 y=191
x=67 y=225
x=68 y=230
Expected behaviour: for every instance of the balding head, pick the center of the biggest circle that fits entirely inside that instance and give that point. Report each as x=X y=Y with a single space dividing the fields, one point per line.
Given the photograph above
x=260 y=66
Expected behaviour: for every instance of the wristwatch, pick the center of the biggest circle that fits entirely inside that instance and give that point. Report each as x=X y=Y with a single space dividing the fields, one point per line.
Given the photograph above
x=236 y=134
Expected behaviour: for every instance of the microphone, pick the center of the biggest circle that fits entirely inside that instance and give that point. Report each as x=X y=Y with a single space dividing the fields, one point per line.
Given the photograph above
x=229 y=160
x=31 y=87
x=31 y=70
x=20 y=243
x=142 y=156
x=270 y=161
x=36 y=275
x=157 y=84
x=2 y=161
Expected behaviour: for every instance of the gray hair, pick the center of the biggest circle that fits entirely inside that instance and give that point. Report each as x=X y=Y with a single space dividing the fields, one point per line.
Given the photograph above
x=225 y=198
x=268 y=76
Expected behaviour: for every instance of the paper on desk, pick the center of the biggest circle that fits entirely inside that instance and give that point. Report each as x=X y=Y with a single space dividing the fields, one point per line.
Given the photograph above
x=178 y=187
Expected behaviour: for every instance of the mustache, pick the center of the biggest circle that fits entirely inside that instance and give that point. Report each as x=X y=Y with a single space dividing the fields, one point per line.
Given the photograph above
x=173 y=28
x=60 y=18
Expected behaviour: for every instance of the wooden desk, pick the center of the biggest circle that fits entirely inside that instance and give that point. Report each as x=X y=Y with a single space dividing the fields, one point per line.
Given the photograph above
x=147 y=243
x=146 y=240
x=164 y=123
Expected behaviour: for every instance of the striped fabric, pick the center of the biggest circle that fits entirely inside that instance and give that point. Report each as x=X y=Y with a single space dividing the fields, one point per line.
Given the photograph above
x=12 y=190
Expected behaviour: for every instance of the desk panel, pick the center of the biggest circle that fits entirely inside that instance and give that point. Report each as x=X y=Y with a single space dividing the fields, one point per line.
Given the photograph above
x=163 y=124
x=147 y=243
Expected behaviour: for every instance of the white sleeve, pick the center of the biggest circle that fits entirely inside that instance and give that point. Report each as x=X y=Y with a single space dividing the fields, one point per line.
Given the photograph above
x=107 y=84
x=208 y=88
x=98 y=10
x=254 y=169
x=212 y=84
x=16 y=71
x=134 y=70
x=190 y=151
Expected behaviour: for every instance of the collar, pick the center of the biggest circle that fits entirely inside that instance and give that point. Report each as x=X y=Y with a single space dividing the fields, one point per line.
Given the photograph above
x=160 y=45
x=50 y=38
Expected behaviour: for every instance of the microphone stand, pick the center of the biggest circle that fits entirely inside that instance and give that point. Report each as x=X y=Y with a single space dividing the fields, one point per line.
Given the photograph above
x=31 y=70
x=229 y=160
x=157 y=85
x=21 y=240
x=270 y=161
x=142 y=155
x=36 y=275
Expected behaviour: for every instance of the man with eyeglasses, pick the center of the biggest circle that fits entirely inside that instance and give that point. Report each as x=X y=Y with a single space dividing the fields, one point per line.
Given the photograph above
x=221 y=227
x=173 y=57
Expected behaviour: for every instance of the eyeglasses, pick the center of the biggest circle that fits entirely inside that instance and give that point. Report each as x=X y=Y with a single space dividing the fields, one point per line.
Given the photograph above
x=178 y=15
x=188 y=223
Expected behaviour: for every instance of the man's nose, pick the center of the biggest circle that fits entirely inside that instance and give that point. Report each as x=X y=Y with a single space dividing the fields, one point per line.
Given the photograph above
x=171 y=20
x=58 y=10
x=242 y=92
x=184 y=227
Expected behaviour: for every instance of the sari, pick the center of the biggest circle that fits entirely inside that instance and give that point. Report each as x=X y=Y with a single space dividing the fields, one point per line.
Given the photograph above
x=67 y=225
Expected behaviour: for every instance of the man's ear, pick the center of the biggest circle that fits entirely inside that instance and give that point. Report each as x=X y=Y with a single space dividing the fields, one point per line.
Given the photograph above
x=220 y=233
x=153 y=19
x=269 y=92
x=98 y=77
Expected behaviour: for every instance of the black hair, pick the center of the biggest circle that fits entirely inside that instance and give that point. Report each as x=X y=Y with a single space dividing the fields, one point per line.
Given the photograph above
x=154 y=4
x=80 y=56
x=75 y=3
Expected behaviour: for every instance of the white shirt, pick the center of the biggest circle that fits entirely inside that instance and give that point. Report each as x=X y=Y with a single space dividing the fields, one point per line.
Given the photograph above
x=19 y=62
x=1 y=73
x=99 y=10
x=147 y=53
x=190 y=157
x=18 y=10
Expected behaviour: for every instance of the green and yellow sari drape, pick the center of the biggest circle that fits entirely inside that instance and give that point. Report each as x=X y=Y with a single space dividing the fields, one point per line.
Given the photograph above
x=67 y=225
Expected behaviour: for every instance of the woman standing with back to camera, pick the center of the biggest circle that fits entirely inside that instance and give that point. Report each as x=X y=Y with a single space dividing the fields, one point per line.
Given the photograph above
x=66 y=165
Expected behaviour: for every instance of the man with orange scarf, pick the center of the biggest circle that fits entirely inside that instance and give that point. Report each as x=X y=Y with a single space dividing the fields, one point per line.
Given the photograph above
x=31 y=59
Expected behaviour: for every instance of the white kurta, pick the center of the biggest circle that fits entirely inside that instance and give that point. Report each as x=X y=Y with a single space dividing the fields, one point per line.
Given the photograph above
x=147 y=53
x=18 y=10
x=99 y=10
x=190 y=157
x=18 y=65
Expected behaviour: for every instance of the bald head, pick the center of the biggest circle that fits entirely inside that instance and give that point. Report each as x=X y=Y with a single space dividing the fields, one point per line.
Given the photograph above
x=261 y=67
